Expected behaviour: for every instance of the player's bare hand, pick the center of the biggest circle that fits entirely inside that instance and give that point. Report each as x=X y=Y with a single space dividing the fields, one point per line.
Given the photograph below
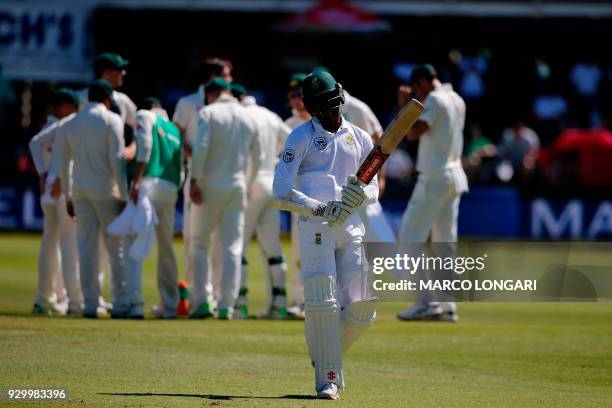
x=404 y=95
x=56 y=189
x=187 y=150
x=195 y=193
x=70 y=209
x=352 y=193
x=129 y=152
x=135 y=192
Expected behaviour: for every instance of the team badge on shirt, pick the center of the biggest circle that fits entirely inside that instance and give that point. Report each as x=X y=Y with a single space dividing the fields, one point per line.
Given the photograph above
x=350 y=140
x=320 y=142
x=317 y=238
x=288 y=155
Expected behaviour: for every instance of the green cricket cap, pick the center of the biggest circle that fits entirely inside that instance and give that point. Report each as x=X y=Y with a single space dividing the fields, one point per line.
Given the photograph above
x=109 y=60
x=238 y=90
x=217 y=84
x=64 y=95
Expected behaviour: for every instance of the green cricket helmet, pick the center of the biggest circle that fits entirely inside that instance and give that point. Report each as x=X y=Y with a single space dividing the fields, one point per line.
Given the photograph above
x=322 y=94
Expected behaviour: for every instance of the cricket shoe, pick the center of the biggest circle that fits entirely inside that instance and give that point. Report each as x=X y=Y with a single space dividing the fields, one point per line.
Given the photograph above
x=136 y=312
x=108 y=306
x=226 y=313
x=39 y=309
x=74 y=309
x=203 y=311
x=329 y=392
x=296 y=311
x=241 y=312
x=160 y=312
x=48 y=310
x=449 y=313
x=274 y=313
x=421 y=311
x=92 y=311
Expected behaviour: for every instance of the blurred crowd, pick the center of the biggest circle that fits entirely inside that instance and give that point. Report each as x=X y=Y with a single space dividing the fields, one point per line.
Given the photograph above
x=577 y=97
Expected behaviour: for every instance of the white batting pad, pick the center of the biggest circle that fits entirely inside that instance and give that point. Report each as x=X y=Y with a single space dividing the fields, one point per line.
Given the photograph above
x=356 y=318
x=322 y=330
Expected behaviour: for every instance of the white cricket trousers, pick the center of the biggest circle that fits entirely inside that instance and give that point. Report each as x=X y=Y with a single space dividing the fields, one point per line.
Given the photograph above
x=337 y=252
x=434 y=207
x=93 y=217
x=164 y=201
x=377 y=228
x=215 y=249
x=58 y=251
x=264 y=221
x=297 y=285
x=225 y=209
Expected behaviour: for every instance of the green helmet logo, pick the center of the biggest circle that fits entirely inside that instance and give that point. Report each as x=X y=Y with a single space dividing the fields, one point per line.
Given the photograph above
x=314 y=84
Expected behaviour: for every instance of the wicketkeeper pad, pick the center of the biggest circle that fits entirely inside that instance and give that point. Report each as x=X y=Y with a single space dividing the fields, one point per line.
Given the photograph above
x=322 y=330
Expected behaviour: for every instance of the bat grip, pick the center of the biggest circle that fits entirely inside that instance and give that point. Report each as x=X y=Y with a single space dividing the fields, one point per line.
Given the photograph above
x=371 y=165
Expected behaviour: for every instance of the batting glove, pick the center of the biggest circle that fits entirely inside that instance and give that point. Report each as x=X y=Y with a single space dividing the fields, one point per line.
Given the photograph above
x=352 y=193
x=337 y=211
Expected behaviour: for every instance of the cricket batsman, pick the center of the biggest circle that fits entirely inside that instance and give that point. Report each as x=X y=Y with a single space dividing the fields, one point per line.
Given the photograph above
x=319 y=156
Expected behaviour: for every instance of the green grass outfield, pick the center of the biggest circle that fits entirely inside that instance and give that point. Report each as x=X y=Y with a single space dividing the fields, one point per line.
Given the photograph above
x=498 y=355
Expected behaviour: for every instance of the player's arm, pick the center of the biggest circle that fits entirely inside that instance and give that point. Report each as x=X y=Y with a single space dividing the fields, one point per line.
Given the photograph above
x=200 y=154
x=60 y=164
x=180 y=119
x=426 y=119
x=129 y=152
x=284 y=187
x=40 y=142
x=144 y=141
x=418 y=130
x=256 y=156
x=283 y=134
x=115 y=156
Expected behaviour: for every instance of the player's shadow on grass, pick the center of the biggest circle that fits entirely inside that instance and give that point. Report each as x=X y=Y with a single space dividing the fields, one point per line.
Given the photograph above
x=206 y=396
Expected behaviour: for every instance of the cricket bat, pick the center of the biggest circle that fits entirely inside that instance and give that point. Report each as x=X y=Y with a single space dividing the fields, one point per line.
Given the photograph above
x=392 y=136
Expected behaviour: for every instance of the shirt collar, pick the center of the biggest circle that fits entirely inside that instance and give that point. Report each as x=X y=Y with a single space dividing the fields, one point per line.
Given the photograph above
x=94 y=105
x=161 y=112
x=318 y=128
x=226 y=98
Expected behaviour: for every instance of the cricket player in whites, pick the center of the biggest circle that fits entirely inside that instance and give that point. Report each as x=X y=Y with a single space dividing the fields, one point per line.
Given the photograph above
x=320 y=155
x=58 y=246
x=299 y=115
x=186 y=119
x=94 y=140
x=226 y=139
x=433 y=208
x=377 y=228
x=112 y=68
x=261 y=219
x=157 y=176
